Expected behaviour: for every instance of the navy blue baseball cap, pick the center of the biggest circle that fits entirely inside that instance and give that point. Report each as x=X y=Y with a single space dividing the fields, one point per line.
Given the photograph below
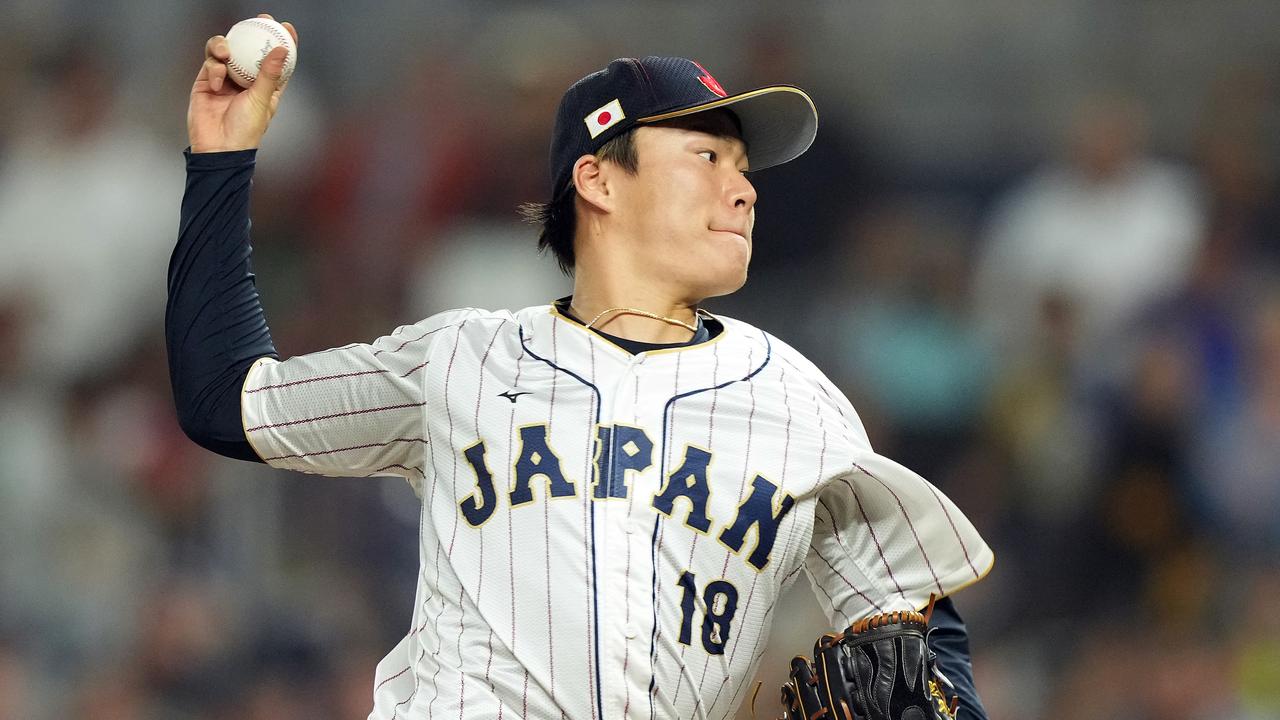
x=778 y=122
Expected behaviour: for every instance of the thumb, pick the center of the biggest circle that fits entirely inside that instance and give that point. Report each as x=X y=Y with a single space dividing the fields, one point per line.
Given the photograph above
x=268 y=80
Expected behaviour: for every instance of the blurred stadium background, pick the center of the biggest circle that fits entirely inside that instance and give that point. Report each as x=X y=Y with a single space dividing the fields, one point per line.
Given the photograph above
x=1036 y=243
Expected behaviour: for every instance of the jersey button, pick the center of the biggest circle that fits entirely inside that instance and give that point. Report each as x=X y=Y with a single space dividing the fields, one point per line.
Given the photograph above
x=636 y=526
x=631 y=630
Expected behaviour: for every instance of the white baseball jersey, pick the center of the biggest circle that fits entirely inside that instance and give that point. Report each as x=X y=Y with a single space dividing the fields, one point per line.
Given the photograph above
x=606 y=535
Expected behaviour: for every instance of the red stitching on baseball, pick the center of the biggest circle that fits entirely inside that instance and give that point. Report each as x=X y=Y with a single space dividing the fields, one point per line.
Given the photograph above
x=235 y=67
x=242 y=71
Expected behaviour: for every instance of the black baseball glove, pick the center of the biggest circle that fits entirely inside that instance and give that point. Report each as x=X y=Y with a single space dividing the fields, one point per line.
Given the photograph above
x=880 y=668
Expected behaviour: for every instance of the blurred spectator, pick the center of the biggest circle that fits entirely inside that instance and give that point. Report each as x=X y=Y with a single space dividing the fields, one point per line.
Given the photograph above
x=1239 y=472
x=491 y=265
x=15 y=683
x=1256 y=642
x=86 y=216
x=1041 y=422
x=35 y=477
x=894 y=317
x=381 y=196
x=15 y=57
x=1235 y=150
x=802 y=205
x=839 y=171
x=117 y=695
x=1109 y=230
x=1094 y=379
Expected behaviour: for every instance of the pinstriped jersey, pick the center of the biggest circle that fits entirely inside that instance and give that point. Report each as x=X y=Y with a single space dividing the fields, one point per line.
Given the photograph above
x=606 y=535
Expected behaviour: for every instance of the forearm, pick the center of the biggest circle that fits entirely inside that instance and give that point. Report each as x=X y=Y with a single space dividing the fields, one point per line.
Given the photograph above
x=215 y=328
x=949 y=638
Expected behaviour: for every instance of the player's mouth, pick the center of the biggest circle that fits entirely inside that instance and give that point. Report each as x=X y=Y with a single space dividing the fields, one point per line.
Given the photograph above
x=740 y=235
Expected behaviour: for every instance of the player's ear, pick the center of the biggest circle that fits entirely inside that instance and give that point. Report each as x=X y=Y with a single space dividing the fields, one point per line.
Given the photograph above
x=591 y=180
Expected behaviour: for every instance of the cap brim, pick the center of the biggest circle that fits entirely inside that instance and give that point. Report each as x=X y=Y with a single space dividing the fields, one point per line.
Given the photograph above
x=779 y=122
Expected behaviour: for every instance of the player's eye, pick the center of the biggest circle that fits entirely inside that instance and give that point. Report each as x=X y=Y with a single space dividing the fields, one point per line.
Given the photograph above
x=709 y=155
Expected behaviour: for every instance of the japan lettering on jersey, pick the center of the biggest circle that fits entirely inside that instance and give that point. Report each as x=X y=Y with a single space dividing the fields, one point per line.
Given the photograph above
x=606 y=535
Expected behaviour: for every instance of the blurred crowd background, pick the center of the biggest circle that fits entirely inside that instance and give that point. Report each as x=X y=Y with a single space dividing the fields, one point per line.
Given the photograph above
x=1037 y=244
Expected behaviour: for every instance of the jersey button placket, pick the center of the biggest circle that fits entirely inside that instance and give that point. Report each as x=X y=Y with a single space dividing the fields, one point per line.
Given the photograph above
x=617 y=631
x=636 y=632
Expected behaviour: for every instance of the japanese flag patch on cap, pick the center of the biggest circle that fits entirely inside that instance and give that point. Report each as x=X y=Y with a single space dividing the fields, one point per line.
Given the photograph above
x=776 y=122
x=604 y=118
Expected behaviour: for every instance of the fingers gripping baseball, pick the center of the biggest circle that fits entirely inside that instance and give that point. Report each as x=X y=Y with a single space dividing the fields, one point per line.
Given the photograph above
x=224 y=116
x=267 y=87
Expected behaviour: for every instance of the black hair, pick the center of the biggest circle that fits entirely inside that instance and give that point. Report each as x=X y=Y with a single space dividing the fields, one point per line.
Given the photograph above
x=558 y=218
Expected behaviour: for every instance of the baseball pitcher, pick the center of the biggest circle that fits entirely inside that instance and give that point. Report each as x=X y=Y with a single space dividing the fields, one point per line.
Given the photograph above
x=617 y=486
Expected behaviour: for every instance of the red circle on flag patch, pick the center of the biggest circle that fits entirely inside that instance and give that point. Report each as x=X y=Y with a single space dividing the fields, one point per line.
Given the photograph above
x=603 y=118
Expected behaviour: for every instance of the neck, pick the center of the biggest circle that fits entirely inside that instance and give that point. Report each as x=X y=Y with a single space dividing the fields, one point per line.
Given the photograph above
x=610 y=276
x=624 y=315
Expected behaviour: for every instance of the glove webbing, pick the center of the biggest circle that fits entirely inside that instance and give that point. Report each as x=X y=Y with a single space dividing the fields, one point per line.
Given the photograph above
x=802 y=692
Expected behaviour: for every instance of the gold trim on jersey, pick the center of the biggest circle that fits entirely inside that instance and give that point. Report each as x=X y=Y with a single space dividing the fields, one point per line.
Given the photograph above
x=574 y=322
x=556 y=313
x=243 y=386
x=990 y=566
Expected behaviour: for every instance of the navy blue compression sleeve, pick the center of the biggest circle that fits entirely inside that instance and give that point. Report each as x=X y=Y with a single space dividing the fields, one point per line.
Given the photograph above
x=214 y=325
x=950 y=640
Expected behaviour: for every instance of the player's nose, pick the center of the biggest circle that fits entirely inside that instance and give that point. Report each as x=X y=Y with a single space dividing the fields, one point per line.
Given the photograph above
x=742 y=194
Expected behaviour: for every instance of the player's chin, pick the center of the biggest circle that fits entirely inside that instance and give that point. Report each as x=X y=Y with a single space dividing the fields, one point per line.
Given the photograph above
x=726 y=282
x=733 y=252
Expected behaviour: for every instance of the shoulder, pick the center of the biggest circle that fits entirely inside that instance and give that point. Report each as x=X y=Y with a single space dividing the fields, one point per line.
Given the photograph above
x=450 y=328
x=465 y=320
x=490 y=329
x=783 y=356
x=790 y=367
x=742 y=336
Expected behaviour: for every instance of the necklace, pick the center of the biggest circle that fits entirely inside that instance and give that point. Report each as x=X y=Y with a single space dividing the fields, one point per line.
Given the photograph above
x=642 y=313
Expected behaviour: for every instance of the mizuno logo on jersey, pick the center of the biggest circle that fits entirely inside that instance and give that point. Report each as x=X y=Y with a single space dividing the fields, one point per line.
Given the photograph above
x=620 y=452
x=512 y=395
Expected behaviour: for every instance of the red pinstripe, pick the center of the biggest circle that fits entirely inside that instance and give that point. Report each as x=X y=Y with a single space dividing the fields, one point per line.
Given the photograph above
x=662 y=527
x=393 y=677
x=956 y=532
x=875 y=538
x=511 y=553
x=693 y=544
x=462 y=691
x=415 y=468
x=852 y=587
x=396 y=714
x=546 y=531
x=448 y=376
x=822 y=457
x=910 y=525
x=316 y=379
x=420 y=337
x=415 y=369
x=335 y=415
x=345 y=449
x=832 y=601
x=782 y=479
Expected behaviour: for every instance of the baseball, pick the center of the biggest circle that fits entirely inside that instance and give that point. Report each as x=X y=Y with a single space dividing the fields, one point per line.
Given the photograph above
x=249 y=41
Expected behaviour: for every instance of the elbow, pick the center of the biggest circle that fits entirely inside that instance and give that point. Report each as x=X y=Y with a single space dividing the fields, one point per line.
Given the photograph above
x=216 y=429
x=197 y=426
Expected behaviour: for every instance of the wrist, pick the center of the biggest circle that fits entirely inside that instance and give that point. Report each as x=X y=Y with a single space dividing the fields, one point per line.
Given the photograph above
x=219 y=159
x=198 y=148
